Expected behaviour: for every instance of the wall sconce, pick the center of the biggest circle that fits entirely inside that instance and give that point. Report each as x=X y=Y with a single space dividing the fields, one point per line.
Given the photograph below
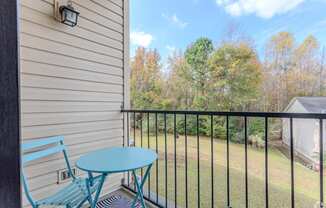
x=66 y=14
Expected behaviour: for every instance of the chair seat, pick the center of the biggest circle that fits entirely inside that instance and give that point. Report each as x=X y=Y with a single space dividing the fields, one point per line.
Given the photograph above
x=71 y=195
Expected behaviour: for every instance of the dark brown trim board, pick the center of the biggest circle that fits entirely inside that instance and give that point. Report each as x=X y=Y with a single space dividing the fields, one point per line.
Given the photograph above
x=10 y=194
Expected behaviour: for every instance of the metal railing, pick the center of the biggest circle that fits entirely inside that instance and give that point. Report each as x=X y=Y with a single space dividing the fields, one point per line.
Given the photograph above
x=135 y=129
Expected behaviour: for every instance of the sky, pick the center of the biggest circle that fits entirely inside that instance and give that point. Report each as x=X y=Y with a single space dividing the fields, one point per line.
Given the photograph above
x=170 y=25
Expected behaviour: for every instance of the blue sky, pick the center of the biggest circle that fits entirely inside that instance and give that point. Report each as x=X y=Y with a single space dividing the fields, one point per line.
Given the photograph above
x=173 y=24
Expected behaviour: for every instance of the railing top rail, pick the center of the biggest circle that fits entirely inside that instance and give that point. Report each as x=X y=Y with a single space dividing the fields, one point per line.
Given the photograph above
x=239 y=114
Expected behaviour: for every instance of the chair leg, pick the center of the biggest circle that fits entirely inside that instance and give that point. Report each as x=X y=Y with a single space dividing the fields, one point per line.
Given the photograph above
x=89 y=198
x=81 y=203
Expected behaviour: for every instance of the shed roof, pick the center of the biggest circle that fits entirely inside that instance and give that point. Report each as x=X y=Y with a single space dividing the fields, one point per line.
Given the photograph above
x=312 y=104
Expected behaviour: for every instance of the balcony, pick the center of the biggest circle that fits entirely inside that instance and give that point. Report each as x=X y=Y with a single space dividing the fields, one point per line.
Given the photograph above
x=72 y=82
x=211 y=159
x=194 y=170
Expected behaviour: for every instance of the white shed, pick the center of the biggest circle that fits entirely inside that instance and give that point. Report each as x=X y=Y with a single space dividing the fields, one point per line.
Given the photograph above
x=305 y=131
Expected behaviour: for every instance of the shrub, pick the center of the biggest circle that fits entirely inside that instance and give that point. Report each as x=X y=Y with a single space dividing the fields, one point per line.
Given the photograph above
x=256 y=141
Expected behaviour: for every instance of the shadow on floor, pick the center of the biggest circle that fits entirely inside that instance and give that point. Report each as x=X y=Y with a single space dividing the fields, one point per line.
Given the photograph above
x=117 y=199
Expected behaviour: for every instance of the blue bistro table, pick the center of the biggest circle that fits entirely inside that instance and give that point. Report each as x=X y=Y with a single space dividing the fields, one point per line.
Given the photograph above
x=117 y=160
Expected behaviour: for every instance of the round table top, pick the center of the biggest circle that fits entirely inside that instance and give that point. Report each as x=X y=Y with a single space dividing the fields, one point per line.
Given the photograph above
x=117 y=159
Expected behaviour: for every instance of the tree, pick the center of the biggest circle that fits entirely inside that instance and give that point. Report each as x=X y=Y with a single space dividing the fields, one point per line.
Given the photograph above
x=146 y=80
x=291 y=70
x=179 y=89
x=236 y=77
x=306 y=67
x=321 y=74
x=278 y=62
x=197 y=56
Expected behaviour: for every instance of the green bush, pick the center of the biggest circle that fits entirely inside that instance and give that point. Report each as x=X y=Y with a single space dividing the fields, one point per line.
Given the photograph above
x=255 y=126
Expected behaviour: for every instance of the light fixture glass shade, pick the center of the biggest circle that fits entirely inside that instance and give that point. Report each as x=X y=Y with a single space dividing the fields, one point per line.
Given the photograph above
x=69 y=16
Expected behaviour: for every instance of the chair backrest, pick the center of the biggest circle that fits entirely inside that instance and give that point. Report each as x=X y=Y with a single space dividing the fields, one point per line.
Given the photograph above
x=40 y=148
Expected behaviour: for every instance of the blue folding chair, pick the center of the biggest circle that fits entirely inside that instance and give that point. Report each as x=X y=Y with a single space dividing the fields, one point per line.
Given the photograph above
x=73 y=195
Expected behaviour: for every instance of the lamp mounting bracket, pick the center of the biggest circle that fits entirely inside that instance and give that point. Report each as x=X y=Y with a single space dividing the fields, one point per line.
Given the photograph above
x=57 y=5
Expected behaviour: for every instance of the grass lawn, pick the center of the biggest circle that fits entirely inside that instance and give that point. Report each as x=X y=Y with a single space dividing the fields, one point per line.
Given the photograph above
x=306 y=180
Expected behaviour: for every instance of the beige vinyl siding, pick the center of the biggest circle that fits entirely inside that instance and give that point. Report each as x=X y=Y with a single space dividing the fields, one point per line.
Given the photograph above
x=73 y=83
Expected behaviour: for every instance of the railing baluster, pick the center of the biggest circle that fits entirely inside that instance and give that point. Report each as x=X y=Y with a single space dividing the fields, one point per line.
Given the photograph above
x=156 y=137
x=141 y=130
x=128 y=130
x=246 y=161
x=128 y=143
x=135 y=125
x=166 y=162
x=212 y=160
x=141 y=143
x=198 y=162
x=321 y=162
x=186 y=159
x=175 y=161
x=292 y=163
x=148 y=146
x=135 y=129
x=228 y=162
x=124 y=136
x=266 y=164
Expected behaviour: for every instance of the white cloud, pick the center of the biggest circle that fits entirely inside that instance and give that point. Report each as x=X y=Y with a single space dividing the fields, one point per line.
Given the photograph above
x=175 y=20
x=141 y=39
x=261 y=8
x=171 y=49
